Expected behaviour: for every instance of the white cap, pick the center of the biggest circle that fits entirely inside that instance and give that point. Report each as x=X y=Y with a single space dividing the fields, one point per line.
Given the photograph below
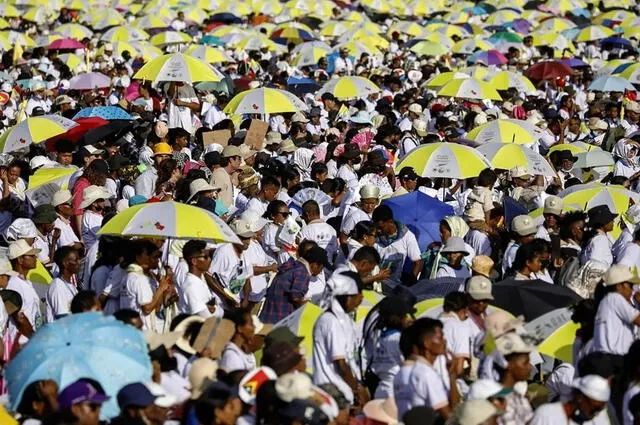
x=415 y=108
x=299 y=117
x=242 y=228
x=343 y=285
x=420 y=126
x=61 y=196
x=39 y=161
x=553 y=205
x=499 y=322
x=512 y=343
x=254 y=219
x=163 y=399
x=483 y=389
x=5 y=269
x=369 y=191
x=633 y=106
x=454 y=244
x=594 y=387
x=619 y=273
x=523 y=225
x=479 y=288
x=519 y=172
x=93 y=150
x=293 y=386
x=476 y=412
x=92 y=193
x=20 y=248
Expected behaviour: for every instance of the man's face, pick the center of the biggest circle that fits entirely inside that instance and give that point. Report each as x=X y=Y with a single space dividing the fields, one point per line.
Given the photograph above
x=435 y=343
x=156 y=415
x=87 y=413
x=28 y=262
x=235 y=162
x=478 y=307
x=159 y=159
x=591 y=408
x=369 y=204
x=365 y=267
x=270 y=193
x=632 y=116
x=410 y=184
x=65 y=158
x=520 y=367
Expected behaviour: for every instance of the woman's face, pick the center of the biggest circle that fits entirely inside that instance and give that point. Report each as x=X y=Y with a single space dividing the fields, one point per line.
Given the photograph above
x=281 y=215
x=13 y=174
x=368 y=205
x=445 y=232
x=535 y=264
x=321 y=177
x=230 y=413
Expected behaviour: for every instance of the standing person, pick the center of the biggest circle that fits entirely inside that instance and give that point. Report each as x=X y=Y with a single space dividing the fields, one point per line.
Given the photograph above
x=317 y=230
x=600 y=246
x=347 y=161
x=63 y=288
x=47 y=237
x=514 y=367
x=454 y=250
x=62 y=202
x=277 y=212
x=408 y=181
x=335 y=341
x=23 y=258
x=94 y=175
x=146 y=182
x=196 y=296
x=93 y=205
x=182 y=103
x=523 y=230
x=369 y=199
x=221 y=176
x=238 y=353
x=455 y=326
x=478 y=290
x=269 y=188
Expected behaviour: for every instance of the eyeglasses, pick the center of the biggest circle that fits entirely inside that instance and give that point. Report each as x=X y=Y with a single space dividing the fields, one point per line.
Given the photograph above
x=284 y=214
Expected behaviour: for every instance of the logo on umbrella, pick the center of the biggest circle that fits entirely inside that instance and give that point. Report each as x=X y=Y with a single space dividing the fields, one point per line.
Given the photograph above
x=158 y=225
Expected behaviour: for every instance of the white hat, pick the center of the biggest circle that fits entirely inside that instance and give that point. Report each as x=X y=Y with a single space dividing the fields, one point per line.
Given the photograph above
x=594 y=387
x=369 y=192
x=21 y=228
x=632 y=217
x=197 y=186
x=39 y=161
x=5 y=269
x=454 y=244
x=242 y=228
x=619 y=273
x=91 y=194
x=60 y=197
x=479 y=288
x=476 y=412
x=483 y=389
x=553 y=205
x=512 y=343
x=414 y=76
x=293 y=386
x=37 y=86
x=20 y=248
x=524 y=225
x=499 y=322
x=163 y=399
x=381 y=410
x=343 y=285
x=633 y=106
x=420 y=126
x=415 y=108
x=299 y=117
x=108 y=46
x=519 y=172
x=202 y=373
x=92 y=150
x=155 y=339
x=254 y=219
x=597 y=124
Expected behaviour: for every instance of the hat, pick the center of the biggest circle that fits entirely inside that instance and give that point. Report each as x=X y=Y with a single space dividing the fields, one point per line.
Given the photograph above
x=499 y=322
x=274 y=138
x=344 y=284
x=600 y=215
x=344 y=50
x=565 y=154
x=12 y=301
x=454 y=244
x=281 y=357
x=408 y=173
x=162 y=148
x=5 y=269
x=594 y=387
x=523 y=225
x=287 y=146
x=483 y=265
x=91 y=194
x=304 y=411
x=136 y=394
x=416 y=108
x=44 y=214
x=519 y=172
x=597 y=124
x=247 y=178
x=633 y=106
x=242 y=228
x=414 y=76
x=394 y=305
x=161 y=129
x=619 y=273
x=92 y=150
x=292 y=386
x=476 y=412
x=254 y=219
x=246 y=152
x=299 y=117
x=183 y=343
x=484 y=389
x=64 y=99
x=162 y=398
x=202 y=374
x=80 y=392
x=21 y=248
x=361 y=117
x=420 y=126
x=108 y=47
x=369 y=192
x=197 y=186
x=155 y=339
x=512 y=343
x=252 y=381
x=382 y=410
x=231 y=151
x=37 y=86
x=283 y=334
x=479 y=288
x=553 y=205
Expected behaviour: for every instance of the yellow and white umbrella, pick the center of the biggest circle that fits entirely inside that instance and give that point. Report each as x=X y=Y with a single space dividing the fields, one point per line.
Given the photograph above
x=501 y=17
x=34 y=130
x=407 y=27
x=208 y=54
x=555 y=24
x=469 y=88
x=590 y=195
x=505 y=156
x=146 y=50
x=357 y=48
x=75 y=31
x=264 y=101
x=443 y=78
x=170 y=37
x=334 y=29
x=505 y=79
x=124 y=33
x=594 y=32
x=150 y=22
x=256 y=42
x=631 y=73
x=119 y=48
x=470 y=45
x=73 y=61
x=445 y=160
x=505 y=131
x=9 y=11
x=14 y=37
x=349 y=88
x=309 y=56
x=177 y=67
x=429 y=48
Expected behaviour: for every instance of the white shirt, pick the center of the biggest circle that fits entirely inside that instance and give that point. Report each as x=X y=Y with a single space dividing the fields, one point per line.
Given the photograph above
x=257 y=205
x=393 y=256
x=445 y=270
x=256 y=256
x=625 y=237
x=458 y=334
x=479 y=241
x=113 y=289
x=509 y=256
x=30 y=301
x=195 y=295
x=231 y=269
x=233 y=358
x=386 y=361
x=346 y=173
x=353 y=216
x=67 y=235
x=322 y=234
x=59 y=297
x=551 y=414
x=146 y=182
x=180 y=116
x=599 y=248
x=627 y=417
x=629 y=255
x=178 y=25
x=34 y=102
x=91 y=223
x=418 y=384
x=614 y=328
x=137 y=291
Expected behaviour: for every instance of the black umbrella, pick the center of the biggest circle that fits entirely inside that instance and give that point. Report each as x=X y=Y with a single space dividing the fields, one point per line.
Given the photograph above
x=114 y=129
x=426 y=289
x=531 y=298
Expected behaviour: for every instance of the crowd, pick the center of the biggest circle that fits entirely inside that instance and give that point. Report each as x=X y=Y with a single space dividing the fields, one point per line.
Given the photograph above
x=351 y=220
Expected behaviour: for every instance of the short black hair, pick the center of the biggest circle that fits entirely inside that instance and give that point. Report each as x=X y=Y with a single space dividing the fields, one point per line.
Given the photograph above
x=487 y=178
x=311 y=207
x=143 y=246
x=455 y=301
x=367 y=253
x=83 y=301
x=239 y=316
x=61 y=254
x=212 y=158
x=126 y=315
x=269 y=181
x=192 y=248
x=382 y=213
x=64 y=146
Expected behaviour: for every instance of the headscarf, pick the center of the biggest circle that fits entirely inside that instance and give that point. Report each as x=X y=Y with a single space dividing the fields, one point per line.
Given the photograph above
x=303 y=159
x=458 y=226
x=623 y=150
x=21 y=228
x=590 y=274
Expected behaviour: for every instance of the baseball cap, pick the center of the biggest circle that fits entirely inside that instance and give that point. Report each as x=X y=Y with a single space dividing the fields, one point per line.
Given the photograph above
x=484 y=389
x=553 y=205
x=254 y=219
x=307 y=412
x=499 y=322
x=594 y=387
x=524 y=225
x=20 y=248
x=252 y=381
x=61 y=197
x=408 y=173
x=135 y=394
x=420 y=126
x=479 y=288
x=283 y=334
x=415 y=108
x=80 y=392
x=476 y=412
x=242 y=228
x=600 y=215
x=512 y=343
x=619 y=273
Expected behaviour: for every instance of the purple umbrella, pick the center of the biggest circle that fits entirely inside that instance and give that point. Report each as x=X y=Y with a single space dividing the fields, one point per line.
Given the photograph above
x=575 y=63
x=89 y=81
x=65 y=43
x=489 y=57
x=521 y=26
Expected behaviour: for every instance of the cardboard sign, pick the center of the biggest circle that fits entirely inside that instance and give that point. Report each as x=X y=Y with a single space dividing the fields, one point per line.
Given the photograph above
x=256 y=134
x=220 y=137
x=214 y=334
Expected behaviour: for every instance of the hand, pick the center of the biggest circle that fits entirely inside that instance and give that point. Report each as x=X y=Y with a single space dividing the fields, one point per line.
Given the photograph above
x=48 y=388
x=56 y=233
x=383 y=275
x=273 y=268
x=3 y=174
x=456 y=367
x=362 y=395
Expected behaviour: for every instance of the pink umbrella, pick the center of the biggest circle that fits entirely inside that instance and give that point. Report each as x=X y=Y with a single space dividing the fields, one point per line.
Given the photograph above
x=131 y=92
x=65 y=44
x=89 y=81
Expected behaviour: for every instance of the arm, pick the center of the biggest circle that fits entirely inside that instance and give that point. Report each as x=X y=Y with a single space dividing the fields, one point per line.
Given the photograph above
x=158 y=298
x=345 y=372
x=217 y=289
x=194 y=106
x=258 y=270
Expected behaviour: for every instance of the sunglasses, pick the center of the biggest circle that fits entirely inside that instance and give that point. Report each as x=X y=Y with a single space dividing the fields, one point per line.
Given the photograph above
x=284 y=214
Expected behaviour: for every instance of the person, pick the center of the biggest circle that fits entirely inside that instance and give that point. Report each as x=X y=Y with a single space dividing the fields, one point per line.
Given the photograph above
x=629 y=224
x=408 y=181
x=478 y=289
x=454 y=250
x=455 y=326
x=369 y=199
x=528 y=263
x=62 y=290
x=135 y=401
x=82 y=400
x=94 y=175
x=335 y=341
x=196 y=297
x=39 y=400
x=221 y=176
x=238 y=353
x=218 y=405
x=480 y=200
x=146 y=182
x=514 y=367
x=572 y=233
x=277 y=212
x=523 y=230
x=317 y=230
x=478 y=412
x=93 y=205
x=600 y=246
x=23 y=259
x=84 y=301
x=269 y=188
x=47 y=237
x=552 y=212
x=62 y=202
x=590 y=396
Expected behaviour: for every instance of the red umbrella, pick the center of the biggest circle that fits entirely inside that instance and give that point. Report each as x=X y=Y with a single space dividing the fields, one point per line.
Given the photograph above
x=65 y=44
x=548 y=70
x=74 y=134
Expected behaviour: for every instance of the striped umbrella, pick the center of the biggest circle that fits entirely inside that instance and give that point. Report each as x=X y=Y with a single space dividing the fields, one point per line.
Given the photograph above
x=594 y=32
x=445 y=160
x=442 y=79
x=76 y=31
x=349 y=88
x=169 y=220
x=470 y=45
x=505 y=131
x=264 y=101
x=34 y=130
x=177 y=67
x=469 y=88
x=505 y=156
x=124 y=33
x=170 y=37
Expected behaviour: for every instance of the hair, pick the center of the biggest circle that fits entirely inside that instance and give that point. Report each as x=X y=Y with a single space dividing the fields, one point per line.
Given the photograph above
x=568 y=220
x=311 y=207
x=367 y=253
x=165 y=170
x=288 y=173
x=455 y=301
x=126 y=315
x=584 y=312
x=239 y=316
x=382 y=213
x=487 y=178
x=304 y=246
x=597 y=363
x=425 y=327
x=273 y=208
x=192 y=248
x=269 y=181
x=83 y=301
x=212 y=158
x=318 y=168
x=64 y=146
x=213 y=398
x=93 y=173
x=142 y=246
x=526 y=252
x=362 y=229
x=61 y=254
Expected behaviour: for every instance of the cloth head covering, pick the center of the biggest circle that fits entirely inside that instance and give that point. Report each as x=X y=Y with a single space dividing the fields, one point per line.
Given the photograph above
x=458 y=226
x=590 y=274
x=303 y=160
x=623 y=150
x=21 y=228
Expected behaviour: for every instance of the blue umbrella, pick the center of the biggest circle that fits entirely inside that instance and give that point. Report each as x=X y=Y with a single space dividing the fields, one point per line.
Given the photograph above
x=574 y=62
x=301 y=86
x=615 y=43
x=421 y=214
x=105 y=112
x=512 y=209
x=609 y=83
x=211 y=40
x=87 y=345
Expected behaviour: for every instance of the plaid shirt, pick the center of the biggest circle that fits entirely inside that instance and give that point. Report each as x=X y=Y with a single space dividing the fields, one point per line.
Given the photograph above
x=291 y=282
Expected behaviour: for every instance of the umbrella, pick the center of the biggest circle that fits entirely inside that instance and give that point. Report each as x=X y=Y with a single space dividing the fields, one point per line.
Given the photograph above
x=429 y=48
x=426 y=289
x=170 y=37
x=89 y=81
x=309 y=53
x=47 y=181
x=421 y=214
x=208 y=54
x=75 y=31
x=311 y=194
x=432 y=308
x=65 y=44
x=442 y=79
x=169 y=220
x=489 y=57
x=301 y=323
x=505 y=131
x=34 y=130
x=349 y=88
x=105 y=112
x=264 y=101
x=470 y=45
x=611 y=83
x=302 y=86
x=575 y=63
x=211 y=40
x=630 y=72
x=75 y=133
x=594 y=158
x=591 y=195
x=177 y=67
x=505 y=79
x=469 y=88
x=505 y=156
x=86 y=345
x=124 y=33
x=615 y=43
x=548 y=70
x=291 y=35
x=445 y=160
x=557 y=333
x=531 y=298
x=113 y=128
x=594 y=32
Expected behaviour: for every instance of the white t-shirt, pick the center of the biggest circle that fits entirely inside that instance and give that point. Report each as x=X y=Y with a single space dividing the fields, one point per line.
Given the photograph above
x=393 y=256
x=231 y=269
x=59 y=297
x=386 y=361
x=457 y=334
x=256 y=256
x=353 y=216
x=551 y=414
x=445 y=270
x=629 y=255
x=479 y=241
x=614 y=328
x=233 y=358
x=67 y=235
x=91 y=223
x=180 y=116
x=418 y=384
x=627 y=417
x=509 y=256
x=136 y=292
x=599 y=248
x=346 y=173
x=195 y=295
x=257 y=205
x=625 y=237
x=30 y=301
x=322 y=234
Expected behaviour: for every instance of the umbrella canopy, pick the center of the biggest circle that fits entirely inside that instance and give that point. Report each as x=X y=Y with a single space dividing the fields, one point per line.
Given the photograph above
x=301 y=323
x=594 y=32
x=429 y=48
x=505 y=131
x=505 y=79
x=349 y=88
x=46 y=181
x=557 y=333
x=76 y=132
x=65 y=43
x=124 y=33
x=86 y=345
x=177 y=67
x=446 y=160
x=610 y=83
x=208 y=54
x=105 y=112
x=594 y=158
x=531 y=298
x=469 y=88
x=112 y=130
x=169 y=220
x=89 y=81
x=264 y=101
x=548 y=70
x=34 y=130
x=421 y=214
x=432 y=308
x=442 y=79
x=505 y=156
x=591 y=195
x=489 y=57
